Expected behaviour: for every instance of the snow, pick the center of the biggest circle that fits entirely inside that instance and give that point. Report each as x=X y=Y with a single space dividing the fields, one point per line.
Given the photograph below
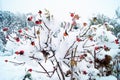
x=105 y=78
x=13 y=70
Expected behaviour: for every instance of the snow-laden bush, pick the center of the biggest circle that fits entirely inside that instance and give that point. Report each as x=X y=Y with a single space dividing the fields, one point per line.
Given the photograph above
x=61 y=51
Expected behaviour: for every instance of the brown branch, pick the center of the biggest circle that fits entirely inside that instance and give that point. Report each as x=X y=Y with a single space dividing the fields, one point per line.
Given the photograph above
x=58 y=74
x=71 y=66
x=86 y=31
x=66 y=64
x=67 y=53
x=43 y=72
x=16 y=63
x=94 y=59
x=55 y=69
x=34 y=58
x=75 y=50
x=46 y=26
x=39 y=41
x=61 y=71
x=85 y=43
x=44 y=69
x=34 y=32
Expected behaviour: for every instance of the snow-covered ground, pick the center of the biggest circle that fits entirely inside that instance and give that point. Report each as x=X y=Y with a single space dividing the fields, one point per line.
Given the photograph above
x=32 y=53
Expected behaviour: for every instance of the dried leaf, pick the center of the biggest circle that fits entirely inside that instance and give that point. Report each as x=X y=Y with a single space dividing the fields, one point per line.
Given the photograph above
x=76 y=17
x=38 y=32
x=73 y=62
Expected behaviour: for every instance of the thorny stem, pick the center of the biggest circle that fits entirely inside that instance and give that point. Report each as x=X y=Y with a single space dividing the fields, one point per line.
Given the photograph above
x=117 y=68
x=34 y=32
x=41 y=27
x=60 y=68
x=53 y=54
x=85 y=43
x=86 y=31
x=75 y=50
x=46 y=26
x=66 y=64
x=34 y=58
x=58 y=74
x=16 y=63
x=72 y=57
x=44 y=69
x=94 y=59
x=29 y=36
x=48 y=37
x=39 y=41
x=43 y=72
x=56 y=70
x=67 y=53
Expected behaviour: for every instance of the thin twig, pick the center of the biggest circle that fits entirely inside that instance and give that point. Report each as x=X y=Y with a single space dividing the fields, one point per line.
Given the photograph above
x=61 y=71
x=71 y=66
x=44 y=69
x=67 y=53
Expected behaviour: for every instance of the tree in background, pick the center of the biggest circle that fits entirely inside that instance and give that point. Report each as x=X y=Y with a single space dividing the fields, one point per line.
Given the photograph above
x=102 y=19
x=10 y=22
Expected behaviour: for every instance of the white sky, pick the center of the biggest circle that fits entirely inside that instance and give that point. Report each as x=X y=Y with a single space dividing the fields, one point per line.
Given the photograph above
x=83 y=7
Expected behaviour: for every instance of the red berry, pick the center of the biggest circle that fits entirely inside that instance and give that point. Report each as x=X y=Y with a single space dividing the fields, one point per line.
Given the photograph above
x=40 y=12
x=84 y=72
x=30 y=70
x=17 y=52
x=91 y=38
x=21 y=52
x=84 y=24
x=105 y=46
x=65 y=33
x=7 y=37
x=26 y=29
x=78 y=39
x=96 y=48
x=6 y=60
x=32 y=43
x=116 y=41
x=85 y=55
x=5 y=29
x=20 y=31
x=17 y=39
x=38 y=22
x=90 y=62
x=81 y=56
x=30 y=18
x=72 y=14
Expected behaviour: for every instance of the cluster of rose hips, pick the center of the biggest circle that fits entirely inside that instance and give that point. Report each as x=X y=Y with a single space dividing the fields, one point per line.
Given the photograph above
x=102 y=47
x=21 y=52
x=39 y=21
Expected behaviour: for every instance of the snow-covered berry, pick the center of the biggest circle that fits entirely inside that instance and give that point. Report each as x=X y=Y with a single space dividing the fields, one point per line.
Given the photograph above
x=40 y=12
x=96 y=48
x=84 y=72
x=116 y=41
x=38 y=22
x=21 y=52
x=17 y=39
x=30 y=70
x=17 y=52
x=20 y=31
x=84 y=24
x=5 y=29
x=30 y=18
x=6 y=60
x=32 y=43
x=72 y=14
